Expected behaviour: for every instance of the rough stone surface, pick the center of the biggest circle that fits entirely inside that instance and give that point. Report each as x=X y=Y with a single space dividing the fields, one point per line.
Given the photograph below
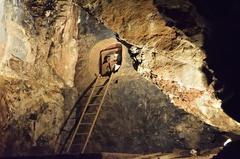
x=63 y=53
x=46 y=62
x=32 y=102
x=168 y=59
x=138 y=118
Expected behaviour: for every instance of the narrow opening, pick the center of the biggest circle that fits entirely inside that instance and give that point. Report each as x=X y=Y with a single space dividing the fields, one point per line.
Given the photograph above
x=110 y=59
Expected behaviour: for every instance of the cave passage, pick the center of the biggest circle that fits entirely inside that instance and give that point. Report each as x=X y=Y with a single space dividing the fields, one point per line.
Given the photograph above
x=110 y=59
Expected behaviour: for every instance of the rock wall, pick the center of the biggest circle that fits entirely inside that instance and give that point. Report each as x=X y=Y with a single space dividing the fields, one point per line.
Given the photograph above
x=2 y=30
x=46 y=64
x=138 y=118
x=37 y=66
x=168 y=57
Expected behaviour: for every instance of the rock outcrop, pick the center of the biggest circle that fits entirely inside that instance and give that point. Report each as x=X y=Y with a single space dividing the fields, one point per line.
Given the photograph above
x=33 y=76
x=167 y=57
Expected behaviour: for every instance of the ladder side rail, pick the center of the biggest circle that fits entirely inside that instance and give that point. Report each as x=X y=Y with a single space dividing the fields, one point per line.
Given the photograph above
x=84 y=111
x=58 y=143
x=95 y=118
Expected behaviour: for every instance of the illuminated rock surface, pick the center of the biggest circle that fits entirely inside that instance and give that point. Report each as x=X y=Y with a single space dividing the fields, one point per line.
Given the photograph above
x=161 y=99
x=170 y=60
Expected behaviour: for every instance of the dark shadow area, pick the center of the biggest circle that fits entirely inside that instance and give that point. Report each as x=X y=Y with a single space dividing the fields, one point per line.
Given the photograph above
x=221 y=42
x=218 y=24
x=230 y=151
x=80 y=156
x=180 y=14
x=129 y=122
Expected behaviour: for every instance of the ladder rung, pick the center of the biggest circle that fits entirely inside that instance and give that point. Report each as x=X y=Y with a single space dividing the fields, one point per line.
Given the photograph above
x=99 y=95
x=81 y=144
x=93 y=104
x=85 y=123
x=100 y=86
x=102 y=77
x=90 y=113
x=66 y=130
x=82 y=133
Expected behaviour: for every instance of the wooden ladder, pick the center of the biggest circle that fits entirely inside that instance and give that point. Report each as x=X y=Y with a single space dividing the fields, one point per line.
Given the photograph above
x=81 y=133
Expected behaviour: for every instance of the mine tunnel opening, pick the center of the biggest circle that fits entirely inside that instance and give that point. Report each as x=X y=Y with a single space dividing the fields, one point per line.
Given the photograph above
x=110 y=59
x=106 y=57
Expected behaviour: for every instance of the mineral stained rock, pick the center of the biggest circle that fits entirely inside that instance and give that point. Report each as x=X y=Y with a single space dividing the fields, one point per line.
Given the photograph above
x=32 y=81
x=47 y=59
x=168 y=58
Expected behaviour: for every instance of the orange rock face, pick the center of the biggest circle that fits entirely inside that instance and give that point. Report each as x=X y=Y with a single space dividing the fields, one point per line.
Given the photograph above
x=137 y=22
